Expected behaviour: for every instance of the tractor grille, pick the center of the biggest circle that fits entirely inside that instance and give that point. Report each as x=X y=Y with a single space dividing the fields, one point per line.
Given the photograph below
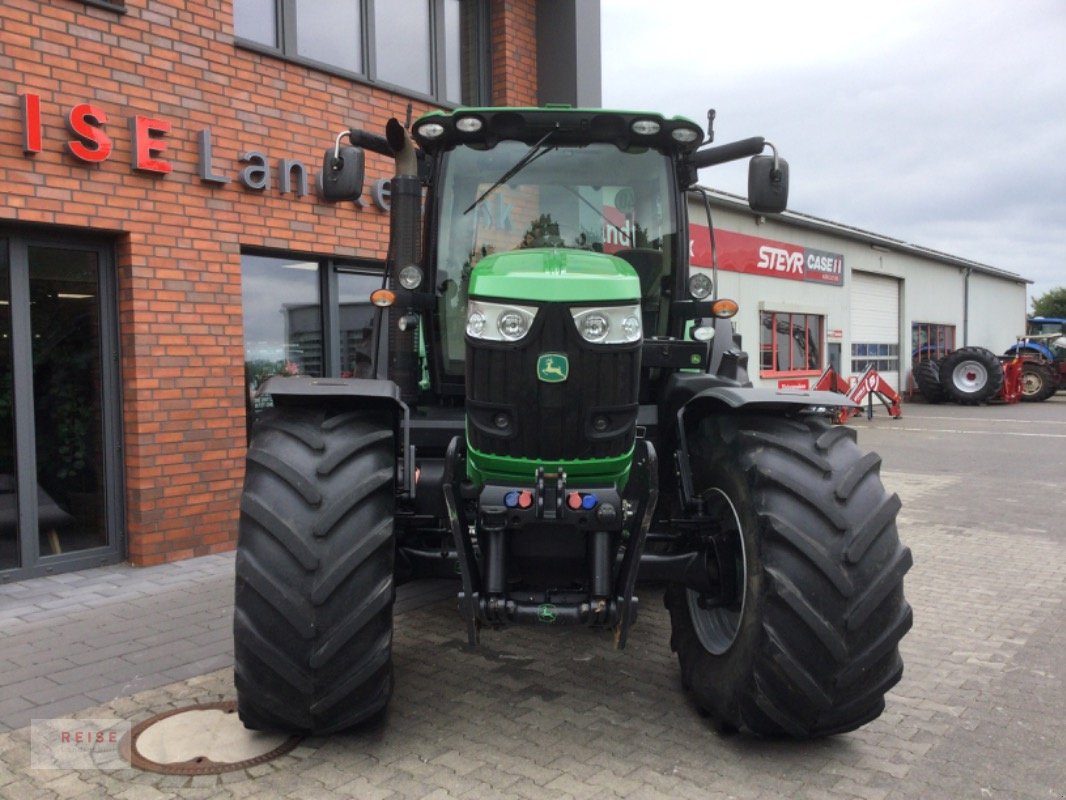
x=590 y=415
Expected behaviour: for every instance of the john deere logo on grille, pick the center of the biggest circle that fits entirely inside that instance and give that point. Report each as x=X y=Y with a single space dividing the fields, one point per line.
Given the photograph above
x=553 y=367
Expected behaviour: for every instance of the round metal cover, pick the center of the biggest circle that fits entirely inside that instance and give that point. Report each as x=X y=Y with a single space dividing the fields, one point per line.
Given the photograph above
x=204 y=739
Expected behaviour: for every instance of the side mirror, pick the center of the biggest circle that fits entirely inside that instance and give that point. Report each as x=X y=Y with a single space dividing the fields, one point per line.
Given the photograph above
x=768 y=184
x=342 y=173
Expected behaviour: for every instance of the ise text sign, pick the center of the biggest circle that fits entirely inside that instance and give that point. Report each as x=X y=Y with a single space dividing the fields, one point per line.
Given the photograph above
x=92 y=144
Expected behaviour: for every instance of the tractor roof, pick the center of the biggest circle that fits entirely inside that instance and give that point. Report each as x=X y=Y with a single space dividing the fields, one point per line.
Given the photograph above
x=485 y=127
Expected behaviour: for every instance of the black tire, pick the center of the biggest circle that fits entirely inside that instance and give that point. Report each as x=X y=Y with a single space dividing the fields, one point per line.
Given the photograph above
x=315 y=556
x=1038 y=382
x=927 y=376
x=971 y=375
x=810 y=646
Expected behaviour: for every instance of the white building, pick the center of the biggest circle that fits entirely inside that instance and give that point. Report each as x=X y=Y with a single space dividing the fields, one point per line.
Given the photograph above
x=814 y=293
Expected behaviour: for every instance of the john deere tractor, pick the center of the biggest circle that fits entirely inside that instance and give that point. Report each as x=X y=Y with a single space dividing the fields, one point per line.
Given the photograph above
x=559 y=409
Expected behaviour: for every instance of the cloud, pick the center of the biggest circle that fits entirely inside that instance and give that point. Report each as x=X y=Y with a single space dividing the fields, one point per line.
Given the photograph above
x=938 y=123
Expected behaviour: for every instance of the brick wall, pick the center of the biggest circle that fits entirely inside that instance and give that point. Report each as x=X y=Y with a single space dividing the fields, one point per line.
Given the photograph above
x=177 y=238
x=514 y=53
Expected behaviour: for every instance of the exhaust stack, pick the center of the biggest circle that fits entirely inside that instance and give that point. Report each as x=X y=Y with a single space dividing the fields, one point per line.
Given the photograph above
x=405 y=218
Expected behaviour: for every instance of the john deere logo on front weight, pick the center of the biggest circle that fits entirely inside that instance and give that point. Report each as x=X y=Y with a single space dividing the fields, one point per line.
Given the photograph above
x=553 y=367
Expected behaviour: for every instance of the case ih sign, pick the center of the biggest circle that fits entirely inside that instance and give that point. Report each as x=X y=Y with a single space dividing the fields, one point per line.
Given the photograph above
x=738 y=252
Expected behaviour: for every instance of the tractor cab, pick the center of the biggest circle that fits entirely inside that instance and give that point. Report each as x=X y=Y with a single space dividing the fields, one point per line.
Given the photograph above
x=553 y=205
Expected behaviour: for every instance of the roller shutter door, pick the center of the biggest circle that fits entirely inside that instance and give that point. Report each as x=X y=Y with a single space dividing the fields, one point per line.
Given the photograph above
x=875 y=325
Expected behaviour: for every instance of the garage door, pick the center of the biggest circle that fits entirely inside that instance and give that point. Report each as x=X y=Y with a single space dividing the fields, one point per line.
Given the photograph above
x=875 y=325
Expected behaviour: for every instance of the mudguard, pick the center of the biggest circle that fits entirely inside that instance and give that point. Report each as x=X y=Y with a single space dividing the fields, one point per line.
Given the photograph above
x=354 y=393
x=689 y=398
x=736 y=397
x=1031 y=348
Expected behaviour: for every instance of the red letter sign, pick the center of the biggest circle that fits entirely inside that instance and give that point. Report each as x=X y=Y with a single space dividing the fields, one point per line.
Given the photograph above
x=86 y=122
x=31 y=123
x=145 y=147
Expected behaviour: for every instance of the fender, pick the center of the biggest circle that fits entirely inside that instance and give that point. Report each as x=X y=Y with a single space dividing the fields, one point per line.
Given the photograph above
x=689 y=398
x=353 y=393
x=1031 y=348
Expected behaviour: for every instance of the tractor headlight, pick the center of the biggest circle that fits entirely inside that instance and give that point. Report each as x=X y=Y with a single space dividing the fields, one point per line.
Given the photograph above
x=498 y=322
x=608 y=324
x=431 y=130
x=513 y=324
x=593 y=326
x=645 y=127
x=700 y=285
x=410 y=277
x=475 y=324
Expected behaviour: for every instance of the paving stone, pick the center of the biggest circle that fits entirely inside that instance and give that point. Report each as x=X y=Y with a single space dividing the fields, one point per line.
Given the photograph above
x=555 y=714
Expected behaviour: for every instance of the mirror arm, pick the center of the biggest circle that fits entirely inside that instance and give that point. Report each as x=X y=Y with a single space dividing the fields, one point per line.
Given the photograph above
x=370 y=141
x=728 y=152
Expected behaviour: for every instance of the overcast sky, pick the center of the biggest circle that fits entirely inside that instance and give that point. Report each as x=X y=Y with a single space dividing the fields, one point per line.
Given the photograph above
x=941 y=123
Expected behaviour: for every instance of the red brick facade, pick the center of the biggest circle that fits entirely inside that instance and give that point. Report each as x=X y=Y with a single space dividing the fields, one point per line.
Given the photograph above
x=177 y=238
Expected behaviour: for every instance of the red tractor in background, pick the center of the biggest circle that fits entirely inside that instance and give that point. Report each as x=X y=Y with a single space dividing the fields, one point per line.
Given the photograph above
x=1043 y=354
x=1032 y=370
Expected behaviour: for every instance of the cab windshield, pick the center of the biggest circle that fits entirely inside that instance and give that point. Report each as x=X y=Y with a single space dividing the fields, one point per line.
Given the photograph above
x=594 y=197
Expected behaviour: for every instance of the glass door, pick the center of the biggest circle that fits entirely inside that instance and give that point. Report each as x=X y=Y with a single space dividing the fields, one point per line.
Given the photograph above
x=59 y=431
x=10 y=556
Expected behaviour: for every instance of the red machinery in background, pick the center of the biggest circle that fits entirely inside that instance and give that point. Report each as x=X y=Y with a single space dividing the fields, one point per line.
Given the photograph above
x=868 y=386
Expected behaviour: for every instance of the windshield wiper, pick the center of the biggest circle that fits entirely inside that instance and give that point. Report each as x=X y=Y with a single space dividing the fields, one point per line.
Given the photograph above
x=531 y=155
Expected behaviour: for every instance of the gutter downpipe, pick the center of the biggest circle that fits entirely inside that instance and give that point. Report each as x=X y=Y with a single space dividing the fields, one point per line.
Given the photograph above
x=966 y=306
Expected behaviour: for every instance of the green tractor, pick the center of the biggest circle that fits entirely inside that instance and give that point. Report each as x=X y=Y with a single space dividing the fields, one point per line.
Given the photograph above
x=559 y=408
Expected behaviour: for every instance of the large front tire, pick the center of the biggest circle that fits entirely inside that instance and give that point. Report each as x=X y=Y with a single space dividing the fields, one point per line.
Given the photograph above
x=315 y=554
x=809 y=645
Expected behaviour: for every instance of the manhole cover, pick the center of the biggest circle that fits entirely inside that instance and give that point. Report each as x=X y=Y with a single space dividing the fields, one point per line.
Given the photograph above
x=201 y=740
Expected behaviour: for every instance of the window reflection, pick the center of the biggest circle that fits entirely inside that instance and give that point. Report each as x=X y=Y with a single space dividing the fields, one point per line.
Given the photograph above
x=256 y=21
x=402 y=44
x=356 y=322
x=330 y=31
x=455 y=52
x=282 y=321
x=432 y=47
x=68 y=421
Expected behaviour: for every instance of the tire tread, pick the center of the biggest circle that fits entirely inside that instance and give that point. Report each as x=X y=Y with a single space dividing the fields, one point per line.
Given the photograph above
x=315 y=554
x=829 y=608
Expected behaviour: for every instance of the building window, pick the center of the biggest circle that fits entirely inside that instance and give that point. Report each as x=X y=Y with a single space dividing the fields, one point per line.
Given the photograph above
x=424 y=47
x=305 y=317
x=881 y=357
x=930 y=341
x=790 y=343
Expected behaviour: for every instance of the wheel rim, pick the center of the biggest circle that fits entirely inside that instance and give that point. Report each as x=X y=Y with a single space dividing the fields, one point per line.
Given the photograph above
x=717 y=627
x=969 y=376
x=1031 y=383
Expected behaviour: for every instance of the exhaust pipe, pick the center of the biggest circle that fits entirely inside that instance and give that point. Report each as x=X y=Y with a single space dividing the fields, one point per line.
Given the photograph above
x=405 y=224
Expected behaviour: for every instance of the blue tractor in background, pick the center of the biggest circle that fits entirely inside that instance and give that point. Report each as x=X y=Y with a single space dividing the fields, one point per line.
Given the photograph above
x=1043 y=349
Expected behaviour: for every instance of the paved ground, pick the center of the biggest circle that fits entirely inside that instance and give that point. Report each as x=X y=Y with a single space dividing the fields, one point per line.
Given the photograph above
x=531 y=713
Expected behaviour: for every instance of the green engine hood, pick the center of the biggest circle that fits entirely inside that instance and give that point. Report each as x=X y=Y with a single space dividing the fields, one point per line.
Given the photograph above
x=550 y=274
